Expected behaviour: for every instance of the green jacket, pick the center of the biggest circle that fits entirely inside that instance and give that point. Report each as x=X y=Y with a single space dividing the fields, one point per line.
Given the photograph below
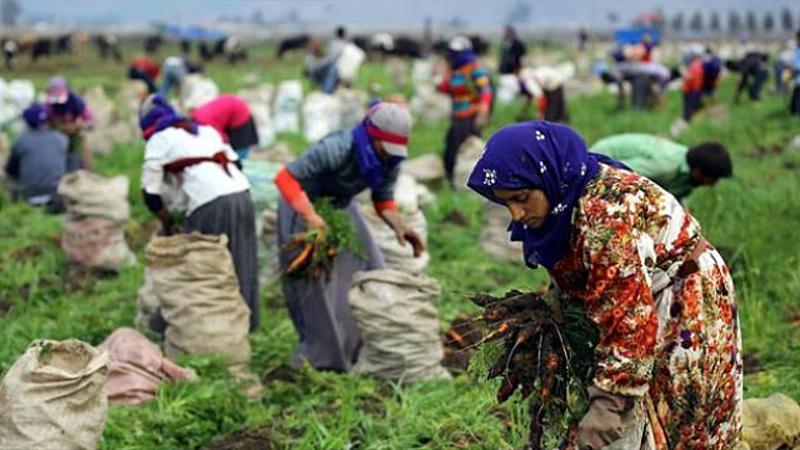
x=658 y=159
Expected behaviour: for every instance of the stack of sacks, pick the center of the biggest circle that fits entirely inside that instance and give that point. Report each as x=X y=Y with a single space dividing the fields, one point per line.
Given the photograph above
x=110 y=126
x=349 y=62
x=431 y=104
x=352 y=106
x=409 y=196
x=427 y=168
x=94 y=226
x=468 y=154
x=15 y=96
x=259 y=100
x=288 y=101
x=321 y=116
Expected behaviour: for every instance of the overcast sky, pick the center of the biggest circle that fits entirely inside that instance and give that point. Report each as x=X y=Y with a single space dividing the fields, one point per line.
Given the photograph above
x=372 y=13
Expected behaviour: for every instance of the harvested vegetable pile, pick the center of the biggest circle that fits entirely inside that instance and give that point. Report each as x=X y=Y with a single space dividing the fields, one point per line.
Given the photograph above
x=545 y=350
x=315 y=250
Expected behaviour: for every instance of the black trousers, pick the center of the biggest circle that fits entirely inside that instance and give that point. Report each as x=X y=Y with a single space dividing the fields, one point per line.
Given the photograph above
x=794 y=104
x=136 y=74
x=460 y=129
x=691 y=104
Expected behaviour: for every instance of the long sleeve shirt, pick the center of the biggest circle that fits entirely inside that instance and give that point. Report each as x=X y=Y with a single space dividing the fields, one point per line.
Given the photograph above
x=658 y=159
x=330 y=169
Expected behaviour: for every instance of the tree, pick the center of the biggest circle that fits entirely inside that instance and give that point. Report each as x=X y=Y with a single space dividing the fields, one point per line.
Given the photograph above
x=769 y=22
x=752 y=24
x=677 y=23
x=714 y=24
x=9 y=10
x=696 y=24
x=734 y=22
x=787 y=21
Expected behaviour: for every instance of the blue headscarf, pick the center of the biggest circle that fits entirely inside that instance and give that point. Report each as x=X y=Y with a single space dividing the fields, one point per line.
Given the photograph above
x=35 y=115
x=538 y=155
x=373 y=171
x=462 y=58
x=157 y=114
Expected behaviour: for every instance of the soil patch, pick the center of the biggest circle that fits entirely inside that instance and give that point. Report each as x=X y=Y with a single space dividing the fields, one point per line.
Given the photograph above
x=457 y=217
x=254 y=439
x=281 y=373
x=751 y=364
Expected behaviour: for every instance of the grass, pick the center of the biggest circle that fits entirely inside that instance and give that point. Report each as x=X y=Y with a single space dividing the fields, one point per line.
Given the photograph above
x=754 y=215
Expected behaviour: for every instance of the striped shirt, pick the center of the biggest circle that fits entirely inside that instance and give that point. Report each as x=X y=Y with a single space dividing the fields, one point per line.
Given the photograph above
x=469 y=88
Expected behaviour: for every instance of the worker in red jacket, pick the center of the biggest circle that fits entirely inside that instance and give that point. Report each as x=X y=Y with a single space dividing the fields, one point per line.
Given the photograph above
x=145 y=69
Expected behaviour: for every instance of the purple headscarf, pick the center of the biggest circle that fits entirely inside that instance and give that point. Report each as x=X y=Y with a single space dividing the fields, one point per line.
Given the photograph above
x=373 y=171
x=538 y=155
x=35 y=115
x=156 y=114
x=462 y=58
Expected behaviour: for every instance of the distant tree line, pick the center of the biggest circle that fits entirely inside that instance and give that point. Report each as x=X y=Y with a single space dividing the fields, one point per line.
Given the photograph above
x=736 y=23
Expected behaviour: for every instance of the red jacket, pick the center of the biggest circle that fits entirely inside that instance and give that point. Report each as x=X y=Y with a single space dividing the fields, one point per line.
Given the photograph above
x=693 y=78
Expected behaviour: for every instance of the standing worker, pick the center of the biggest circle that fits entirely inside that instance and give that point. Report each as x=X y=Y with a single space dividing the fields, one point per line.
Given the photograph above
x=339 y=167
x=467 y=84
x=70 y=114
x=189 y=169
x=668 y=363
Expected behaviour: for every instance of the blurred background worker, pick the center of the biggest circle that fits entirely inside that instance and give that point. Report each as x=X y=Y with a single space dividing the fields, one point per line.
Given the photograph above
x=69 y=113
x=677 y=168
x=38 y=160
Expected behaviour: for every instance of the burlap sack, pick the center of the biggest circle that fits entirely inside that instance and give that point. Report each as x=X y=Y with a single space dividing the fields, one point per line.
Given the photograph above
x=198 y=295
x=270 y=264
x=494 y=237
x=87 y=194
x=146 y=301
x=399 y=325
x=425 y=168
x=52 y=398
x=395 y=255
x=136 y=367
x=96 y=243
x=468 y=155
x=770 y=423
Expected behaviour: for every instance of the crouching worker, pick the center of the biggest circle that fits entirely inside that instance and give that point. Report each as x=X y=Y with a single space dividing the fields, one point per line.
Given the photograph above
x=189 y=169
x=38 y=160
x=339 y=167
x=668 y=363
x=676 y=168
x=230 y=116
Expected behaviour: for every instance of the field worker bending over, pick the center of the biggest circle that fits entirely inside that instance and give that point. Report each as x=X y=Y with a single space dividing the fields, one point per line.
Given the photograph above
x=668 y=363
x=231 y=117
x=188 y=168
x=70 y=114
x=339 y=167
x=675 y=167
x=467 y=83
x=38 y=160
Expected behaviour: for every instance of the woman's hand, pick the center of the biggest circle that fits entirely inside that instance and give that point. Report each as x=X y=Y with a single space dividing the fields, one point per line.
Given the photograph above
x=407 y=235
x=605 y=421
x=314 y=221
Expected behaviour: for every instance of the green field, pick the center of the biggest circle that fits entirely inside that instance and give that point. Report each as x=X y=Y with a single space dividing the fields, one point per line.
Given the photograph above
x=754 y=217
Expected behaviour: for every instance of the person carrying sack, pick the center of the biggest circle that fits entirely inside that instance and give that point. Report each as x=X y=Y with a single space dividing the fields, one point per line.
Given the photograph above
x=189 y=169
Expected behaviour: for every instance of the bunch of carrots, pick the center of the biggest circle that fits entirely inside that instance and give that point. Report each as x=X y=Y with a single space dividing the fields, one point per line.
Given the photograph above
x=316 y=250
x=547 y=354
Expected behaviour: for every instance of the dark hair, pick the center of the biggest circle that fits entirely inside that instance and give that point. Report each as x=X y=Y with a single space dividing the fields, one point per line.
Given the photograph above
x=340 y=32
x=711 y=158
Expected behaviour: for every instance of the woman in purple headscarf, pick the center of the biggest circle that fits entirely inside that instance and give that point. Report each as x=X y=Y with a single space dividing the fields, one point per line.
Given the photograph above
x=668 y=370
